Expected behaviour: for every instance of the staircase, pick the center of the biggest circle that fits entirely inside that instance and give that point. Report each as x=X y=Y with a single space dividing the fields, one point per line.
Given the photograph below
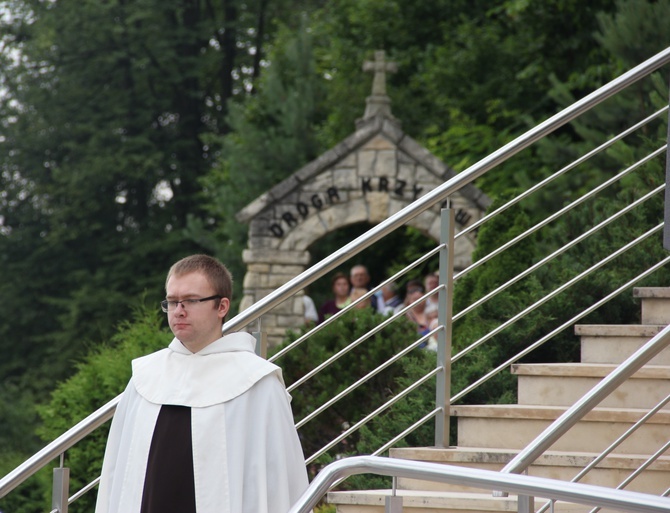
x=489 y=436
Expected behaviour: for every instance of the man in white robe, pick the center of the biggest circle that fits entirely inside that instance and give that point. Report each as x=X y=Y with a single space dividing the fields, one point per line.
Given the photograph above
x=205 y=425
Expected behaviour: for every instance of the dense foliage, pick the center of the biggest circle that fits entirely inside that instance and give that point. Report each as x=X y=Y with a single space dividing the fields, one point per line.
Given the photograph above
x=347 y=370
x=101 y=376
x=132 y=132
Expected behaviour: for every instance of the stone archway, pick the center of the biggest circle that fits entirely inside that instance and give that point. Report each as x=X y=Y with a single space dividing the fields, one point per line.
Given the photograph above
x=366 y=178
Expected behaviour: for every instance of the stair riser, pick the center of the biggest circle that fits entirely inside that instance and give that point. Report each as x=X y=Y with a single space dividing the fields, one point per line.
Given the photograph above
x=649 y=482
x=472 y=509
x=569 y=508
x=585 y=436
x=420 y=509
x=566 y=390
x=616 y=350
x=484 y=504
x=655 y=311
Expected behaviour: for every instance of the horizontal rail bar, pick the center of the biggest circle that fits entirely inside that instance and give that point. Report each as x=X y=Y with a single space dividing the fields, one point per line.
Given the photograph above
x=97 y=418
x=58 y=446
x=563 y=326
x=372 y=415
x=589 y=401
x=362 y=380
x=443 y=191
x=559 y=213
x=343 y=311
x=589 y=495
x=556 y=292
x=560 y=251
x=560 y=172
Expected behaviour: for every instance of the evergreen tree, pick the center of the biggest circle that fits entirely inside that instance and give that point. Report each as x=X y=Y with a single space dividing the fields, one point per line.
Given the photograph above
x=273 y=135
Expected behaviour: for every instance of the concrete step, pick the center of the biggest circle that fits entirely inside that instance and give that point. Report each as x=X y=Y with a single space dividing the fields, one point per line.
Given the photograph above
x=610 y=472
x=515 y=426
x=563 y=384
x=655 y=304
x=372 y=501
x=601 y=343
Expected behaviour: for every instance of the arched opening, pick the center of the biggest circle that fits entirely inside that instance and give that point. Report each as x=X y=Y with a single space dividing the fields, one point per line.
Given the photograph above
x=383 y=259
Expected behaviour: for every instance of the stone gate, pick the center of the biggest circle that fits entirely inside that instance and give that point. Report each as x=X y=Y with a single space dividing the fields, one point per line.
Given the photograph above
x=369 y=176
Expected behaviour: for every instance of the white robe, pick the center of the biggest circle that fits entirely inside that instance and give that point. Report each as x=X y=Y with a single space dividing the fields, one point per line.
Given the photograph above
x=246 y=454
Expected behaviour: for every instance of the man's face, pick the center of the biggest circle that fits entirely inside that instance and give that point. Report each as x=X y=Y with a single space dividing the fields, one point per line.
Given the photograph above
x=196 y=325
x=359 y=277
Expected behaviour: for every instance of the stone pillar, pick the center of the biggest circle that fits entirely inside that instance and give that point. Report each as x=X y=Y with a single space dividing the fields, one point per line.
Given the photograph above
x=268 y=269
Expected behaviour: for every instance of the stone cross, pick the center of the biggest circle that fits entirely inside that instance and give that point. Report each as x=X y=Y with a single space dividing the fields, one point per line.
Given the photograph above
x=378 y=103
x=380 y=68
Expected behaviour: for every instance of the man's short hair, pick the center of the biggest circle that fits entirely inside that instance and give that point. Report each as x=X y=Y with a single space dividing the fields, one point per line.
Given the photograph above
x=216 y=273
x=359 y=267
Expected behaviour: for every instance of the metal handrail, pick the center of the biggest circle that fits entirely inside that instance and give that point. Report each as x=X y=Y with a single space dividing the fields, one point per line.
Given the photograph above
x=373 y=414
x=625 y=436
x=441 y=193
x=608 y=450
x=560 y=251
x=561 y=172
x=364 y=379
x=437 y=195
x=343 y=311
x=557 y=291
x=589 y=495
x=589 y=401
x=565 y=325
x=593 y=192
x=57 y=447
x=379 y=327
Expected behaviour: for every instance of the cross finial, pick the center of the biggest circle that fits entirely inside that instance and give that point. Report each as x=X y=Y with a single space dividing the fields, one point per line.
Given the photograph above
x=379 y=102
x=380 y=67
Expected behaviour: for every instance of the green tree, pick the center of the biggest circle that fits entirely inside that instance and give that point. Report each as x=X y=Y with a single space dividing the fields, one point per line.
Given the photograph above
x=345 y=371
x=105 y=110
x=273 y=135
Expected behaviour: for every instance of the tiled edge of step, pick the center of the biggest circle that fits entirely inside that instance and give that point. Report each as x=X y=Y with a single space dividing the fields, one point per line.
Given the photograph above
x=601 y=343
x=427 y=501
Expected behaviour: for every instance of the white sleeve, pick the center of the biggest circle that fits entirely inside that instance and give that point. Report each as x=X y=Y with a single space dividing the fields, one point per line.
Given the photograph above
x=111 y=454
x=267 y=472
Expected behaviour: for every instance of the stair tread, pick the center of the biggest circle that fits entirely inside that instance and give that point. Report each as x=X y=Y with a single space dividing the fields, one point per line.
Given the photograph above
x=435 y=499
x=535 y=412
x=619 y=330
x=486 y=455
x=448 y=500
x=594 y=370
x=651 y=292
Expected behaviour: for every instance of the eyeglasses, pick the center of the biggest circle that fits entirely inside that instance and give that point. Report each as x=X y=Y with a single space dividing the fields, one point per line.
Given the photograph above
x=171 y=305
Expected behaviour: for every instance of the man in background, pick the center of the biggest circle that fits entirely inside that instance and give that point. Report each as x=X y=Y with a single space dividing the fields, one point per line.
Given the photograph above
x=360 y=279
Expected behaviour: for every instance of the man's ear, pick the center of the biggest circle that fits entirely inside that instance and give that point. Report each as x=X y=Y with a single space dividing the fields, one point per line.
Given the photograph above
x=224 y=307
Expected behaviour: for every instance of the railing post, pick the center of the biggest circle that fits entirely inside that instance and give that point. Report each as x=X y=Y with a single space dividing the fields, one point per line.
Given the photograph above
x=444 y=317
x=666 y=217
x=525 y=504
x=61 y=488
x=261 y=343
x=393 y=503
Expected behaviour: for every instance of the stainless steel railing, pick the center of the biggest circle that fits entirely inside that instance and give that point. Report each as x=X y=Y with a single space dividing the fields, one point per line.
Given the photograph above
x=589 y=401
x=443 y=192
x=523 y=485
x=54 y=449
